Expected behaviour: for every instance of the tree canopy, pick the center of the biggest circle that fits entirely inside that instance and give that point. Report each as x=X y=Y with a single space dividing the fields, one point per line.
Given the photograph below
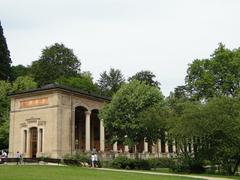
x=214 y=128
x=19 y=70
x=83 y=82
x=121 y=114
x=55 y=61
x=5 y=60
x=110 y=82
x=216 y=76
x=21 y=83
x=146 y=77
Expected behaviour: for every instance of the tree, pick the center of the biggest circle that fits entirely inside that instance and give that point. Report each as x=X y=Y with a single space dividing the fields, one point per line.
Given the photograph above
x=56 y=61
x=5 y=88
x=4 y=130
x=153 y=121
x=214 y=129
x=5 y=60
x=221 y=132
x=21 y=83
x=121 y=114
x=146 y=77
x=109 y=83
x=82 y=82
x=216 y=76
x=19 y=70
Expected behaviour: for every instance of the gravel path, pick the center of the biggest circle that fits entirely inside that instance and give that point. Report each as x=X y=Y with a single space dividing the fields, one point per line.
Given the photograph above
x=164 y=174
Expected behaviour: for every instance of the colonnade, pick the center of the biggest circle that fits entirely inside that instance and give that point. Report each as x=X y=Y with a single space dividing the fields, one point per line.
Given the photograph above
x=156 y=148
x=88 y=133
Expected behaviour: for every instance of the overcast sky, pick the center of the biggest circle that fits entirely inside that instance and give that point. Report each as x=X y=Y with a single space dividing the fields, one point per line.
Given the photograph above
x=162 y=36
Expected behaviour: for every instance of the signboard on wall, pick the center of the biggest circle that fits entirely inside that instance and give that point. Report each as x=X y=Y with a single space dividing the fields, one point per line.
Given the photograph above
x=34 y=102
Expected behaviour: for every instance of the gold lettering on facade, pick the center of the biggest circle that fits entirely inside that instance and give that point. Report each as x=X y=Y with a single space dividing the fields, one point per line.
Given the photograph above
x=34 y=102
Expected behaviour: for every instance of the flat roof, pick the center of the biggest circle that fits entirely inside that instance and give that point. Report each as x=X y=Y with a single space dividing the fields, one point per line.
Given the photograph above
x=61 y=87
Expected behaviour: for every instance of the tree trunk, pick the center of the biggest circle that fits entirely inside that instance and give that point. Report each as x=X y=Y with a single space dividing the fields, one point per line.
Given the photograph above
x=236 y=166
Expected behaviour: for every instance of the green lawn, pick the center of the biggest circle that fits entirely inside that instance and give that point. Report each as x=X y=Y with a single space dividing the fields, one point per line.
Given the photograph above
x=12 y=172
x=166 y=170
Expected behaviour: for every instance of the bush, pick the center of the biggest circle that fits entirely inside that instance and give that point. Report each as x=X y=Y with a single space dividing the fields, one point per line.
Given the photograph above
x=161 y=162
x=142 y=164
x=123 y=162
x=186 y=164
x=77 y=159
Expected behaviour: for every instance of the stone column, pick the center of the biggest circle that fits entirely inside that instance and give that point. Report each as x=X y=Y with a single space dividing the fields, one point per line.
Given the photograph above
x=126 y=149
x=87 y=131
x=73 y=131
x=28 y=143
x=159 y=146
x=115 y=147
x=102 y=136
x=38 y=141
x=166 y=143
x=192 y=145
x=145 y=146
x=154 y=148
x=174 y=146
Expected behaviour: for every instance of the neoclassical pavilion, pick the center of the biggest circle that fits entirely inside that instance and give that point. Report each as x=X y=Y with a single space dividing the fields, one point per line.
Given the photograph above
x=56 y=120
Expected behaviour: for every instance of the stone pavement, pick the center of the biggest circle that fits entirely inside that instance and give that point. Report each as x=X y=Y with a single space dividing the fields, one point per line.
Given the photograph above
x=164 y=174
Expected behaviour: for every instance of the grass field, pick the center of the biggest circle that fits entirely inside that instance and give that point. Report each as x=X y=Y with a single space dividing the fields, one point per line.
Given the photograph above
x=11 y=172
x=166 y=170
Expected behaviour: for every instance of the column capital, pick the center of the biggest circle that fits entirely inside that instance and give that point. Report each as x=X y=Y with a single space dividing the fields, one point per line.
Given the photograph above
x=88 y=112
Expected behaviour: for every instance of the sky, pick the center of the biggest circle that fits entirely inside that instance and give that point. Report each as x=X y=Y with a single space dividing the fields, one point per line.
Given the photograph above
x=163 y=36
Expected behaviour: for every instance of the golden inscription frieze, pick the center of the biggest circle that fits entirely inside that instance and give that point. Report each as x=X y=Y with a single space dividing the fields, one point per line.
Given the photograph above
x=34 y=102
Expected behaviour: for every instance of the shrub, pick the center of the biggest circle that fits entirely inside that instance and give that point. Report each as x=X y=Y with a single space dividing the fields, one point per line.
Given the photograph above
x=188 y=164
x=161 y=162
x=77 y=159
x=142 y=164
x=123 y=162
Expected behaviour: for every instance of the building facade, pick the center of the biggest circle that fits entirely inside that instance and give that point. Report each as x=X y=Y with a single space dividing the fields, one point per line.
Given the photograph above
x=55 y=120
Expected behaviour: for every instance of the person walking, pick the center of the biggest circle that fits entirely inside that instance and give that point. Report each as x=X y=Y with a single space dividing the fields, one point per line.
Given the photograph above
x=4 y=157
x=92 y=160
x=95 y=159
x=19 y=158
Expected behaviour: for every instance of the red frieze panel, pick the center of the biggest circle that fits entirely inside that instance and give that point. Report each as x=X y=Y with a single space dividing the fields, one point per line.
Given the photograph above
x=34 y=102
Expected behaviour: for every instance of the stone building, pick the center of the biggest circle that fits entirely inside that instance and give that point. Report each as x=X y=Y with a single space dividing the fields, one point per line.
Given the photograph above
x=56 y=120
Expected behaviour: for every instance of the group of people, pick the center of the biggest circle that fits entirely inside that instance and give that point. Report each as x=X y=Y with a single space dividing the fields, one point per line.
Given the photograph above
x=94 y=160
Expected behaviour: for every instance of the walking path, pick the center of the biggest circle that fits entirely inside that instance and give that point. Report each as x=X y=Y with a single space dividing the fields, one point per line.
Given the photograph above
x=164 y=174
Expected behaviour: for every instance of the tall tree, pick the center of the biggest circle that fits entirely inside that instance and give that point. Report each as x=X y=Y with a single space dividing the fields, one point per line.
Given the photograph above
x=19 y=70
x=5 y=88
x=121 y=114
x=56 y=61
x=21 y=83
x=154 y=122
x=146 y=77
x=216 y=76
x=214 y=129
x=5 y=60
x=82 y=82
x=110 y=82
